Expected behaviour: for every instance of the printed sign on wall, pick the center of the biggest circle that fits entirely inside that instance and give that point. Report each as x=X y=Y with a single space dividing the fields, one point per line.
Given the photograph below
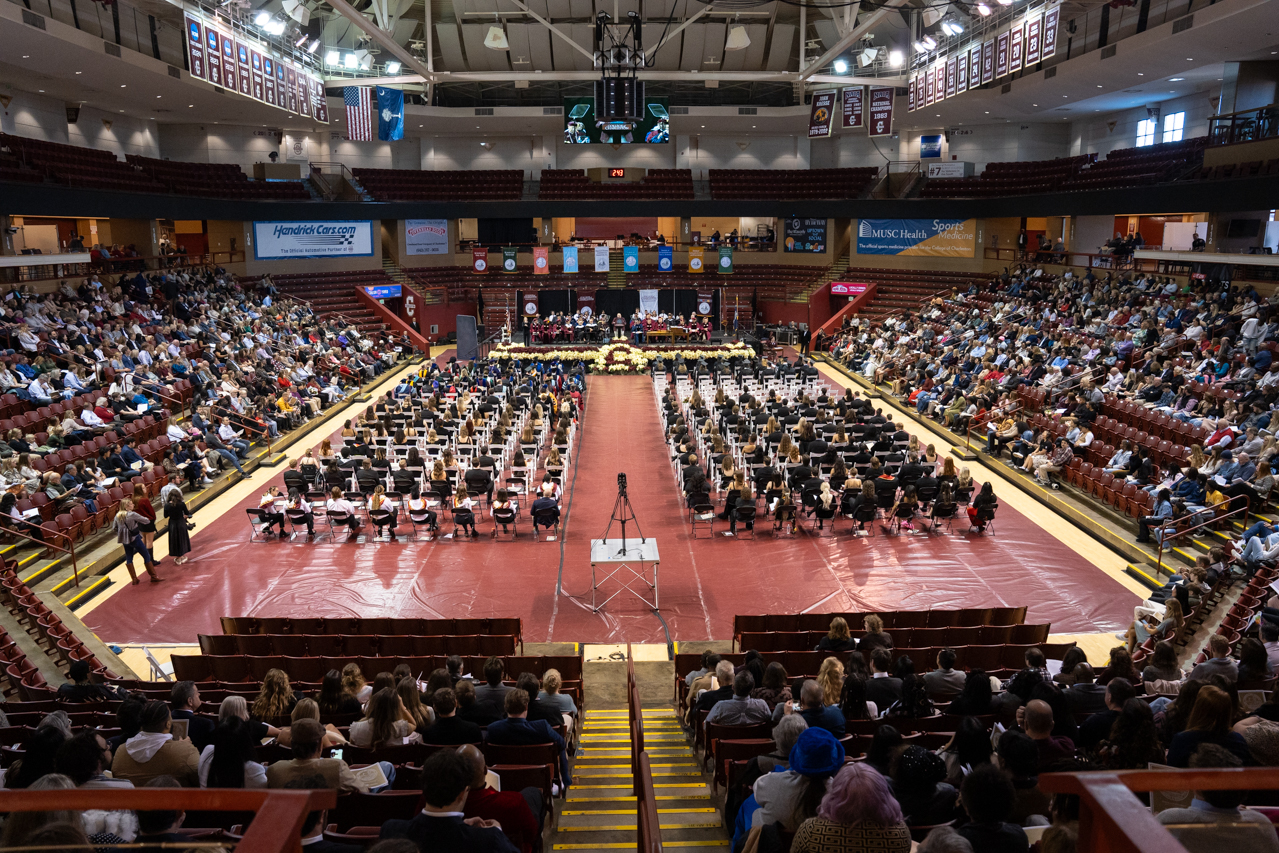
x=333 y=239
x=948 y=238
x=426 y=236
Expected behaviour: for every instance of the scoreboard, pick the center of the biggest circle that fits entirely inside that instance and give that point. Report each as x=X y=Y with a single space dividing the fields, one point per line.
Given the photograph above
x=226 y=58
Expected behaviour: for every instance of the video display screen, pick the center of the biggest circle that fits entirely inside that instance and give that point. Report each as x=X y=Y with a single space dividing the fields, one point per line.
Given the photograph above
x=582 y=127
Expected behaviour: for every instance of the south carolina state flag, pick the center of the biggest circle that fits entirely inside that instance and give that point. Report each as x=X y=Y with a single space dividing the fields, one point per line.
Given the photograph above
x=390 y=114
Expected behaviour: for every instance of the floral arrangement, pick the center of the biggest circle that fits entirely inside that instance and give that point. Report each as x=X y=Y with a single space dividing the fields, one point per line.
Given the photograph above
x=620 y=357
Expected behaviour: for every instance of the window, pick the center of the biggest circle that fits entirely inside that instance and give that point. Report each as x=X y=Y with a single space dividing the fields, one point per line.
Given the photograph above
x=1173 y=125
x=1145 y=133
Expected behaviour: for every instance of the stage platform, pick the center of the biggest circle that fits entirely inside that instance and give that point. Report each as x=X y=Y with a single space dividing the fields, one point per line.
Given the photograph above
x=704 y=582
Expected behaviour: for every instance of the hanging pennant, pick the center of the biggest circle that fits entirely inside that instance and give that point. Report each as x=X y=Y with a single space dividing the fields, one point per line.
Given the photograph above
x=480 y=260
x=630 y=259
x=541 y=260
x=601 y=258
x=695 y=258
x=570 y=259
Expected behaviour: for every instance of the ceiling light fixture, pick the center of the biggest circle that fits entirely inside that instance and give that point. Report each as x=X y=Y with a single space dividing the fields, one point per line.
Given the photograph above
x=393 y=67
x=983 y=10
x=496 y=39
x=895 y=58
x=262 y=18
x=867 y=56
x=332 y=57
x=841 y=67
x=737 y=39
x=314 y=46
x=1175 y=79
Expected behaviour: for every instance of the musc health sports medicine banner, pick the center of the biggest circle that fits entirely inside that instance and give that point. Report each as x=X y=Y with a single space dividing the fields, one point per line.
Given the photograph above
x=947 y=238
x=426 y=236
x=334 y=239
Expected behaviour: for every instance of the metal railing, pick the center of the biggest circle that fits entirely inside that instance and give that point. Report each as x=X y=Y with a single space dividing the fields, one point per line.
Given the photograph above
x=648 y=825
x=37 y=271
x=1244 y=126
x=70 y=549
x=1188 y=531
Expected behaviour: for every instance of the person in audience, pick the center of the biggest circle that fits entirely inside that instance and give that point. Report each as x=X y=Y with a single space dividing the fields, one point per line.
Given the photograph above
x=79 y=688
x=815 y=712
x=1219 y=664
x=353 y=683
x=856 y=813
x=227 y=762
x=492 y=692
x=386 y=722
x=537 y=708
x=944 y=839
x=406 y=688
x=305 y=709
x=154 y=752
x=739 y=709
x=883 y=689
x=552 y=681
x=830 y=677
x=519 y=814
x=837 y=640
x=1037 y=721
x=447 y=777
x=977 y=697
x=40 y=750
x=988 y=798
x=334 y=698
x=1085 y=696
x=945 y=682
x=853 y=703
x=1163 y=665
x=1133 y=742
x=792 y=796
x=184 y=701
x=919 y=784
x=307 y=767
x=469 y=709
x=517 y=730
x=1209 y=723
x=968 y=747
x=723 y=677
x=1225 y=807
x=1019 y=757
x=448 y=727
x=276 y=698
x=875 y=636
x=85 y=758
x=775 y=689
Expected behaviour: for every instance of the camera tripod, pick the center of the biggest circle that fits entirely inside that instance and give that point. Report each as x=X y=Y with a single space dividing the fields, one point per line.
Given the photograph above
x=618 y=558
x=622 y=513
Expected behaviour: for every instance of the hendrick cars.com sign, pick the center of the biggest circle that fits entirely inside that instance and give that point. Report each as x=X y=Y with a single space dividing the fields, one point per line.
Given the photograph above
x=848 y=288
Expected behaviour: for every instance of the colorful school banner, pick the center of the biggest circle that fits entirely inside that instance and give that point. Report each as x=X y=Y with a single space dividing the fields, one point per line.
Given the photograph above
x=705 y=300
x=823 y=114
x=648 y=302
x=630 y=259
x=854 y=106
x=570 y=259
x=586 y=303
x=725 y=260
x=665 y=258
x=947 y=238
x=508 y=259
x=480 y=260
x=529 y=303
x=601 y=258
x=695 y=258
x=541 y=260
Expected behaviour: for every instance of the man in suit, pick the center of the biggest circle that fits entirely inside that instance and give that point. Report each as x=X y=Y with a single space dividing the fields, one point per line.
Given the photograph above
x=518 y=730
x=442 y=825
x=1085 y=695
x=293 y=479
x=484 y=460
x=313 y=831
x=519 y=813
x=184 y=701
x=945 y=682
x=367 y=477
x=882 y=689
x=449 y=728
x=492 y=693
x=402 y=477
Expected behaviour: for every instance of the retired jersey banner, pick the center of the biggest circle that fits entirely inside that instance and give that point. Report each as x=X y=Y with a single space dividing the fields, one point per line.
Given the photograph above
x=974 y=67
x=1016 y=41
x=528 y=305
x=705 y=299
x=946 y=238
x=854 y=106
x=1051 y=18
x=961 y=74
x=987 y=62
x=570 y=259
x=823 y=114
x=951 y=71
x=630 y=259
x=1001 y=54
x=695 y=254
x=601 y=258
x=541 y=260
x=480 y=260
x=881 y=111
x=1034 y=29
x=509 y=262
x=665 y=258
x=725 y=260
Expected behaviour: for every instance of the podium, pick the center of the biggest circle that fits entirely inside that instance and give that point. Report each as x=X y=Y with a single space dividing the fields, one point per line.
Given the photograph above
x=629 y=563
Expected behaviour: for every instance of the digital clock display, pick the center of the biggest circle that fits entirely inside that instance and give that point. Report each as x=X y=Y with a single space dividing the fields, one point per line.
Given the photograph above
x=617 y=173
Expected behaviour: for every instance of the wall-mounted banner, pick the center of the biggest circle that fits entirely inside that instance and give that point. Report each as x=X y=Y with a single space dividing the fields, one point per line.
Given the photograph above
x=480 y=260
x=951 y=73
x=426 y=236
x=665 y=258
x=947 y=169
x=930 y=86
x=854 y=98
x=974 y=67
x=1016 y=41
x=570 y=259
x=695 y=256
x=881 y=111
x=332 y=239
x=509 y=259
x=947 y=238
x=848 y=288
x=586 y=303
x=725 y=260
x=823 y=114
x=804 y=235
x=910 y=95
x=601 y=258
x=930 y=147
x=541 y=260
x=529 y=303
x=1034 y=32
x=1051 y=19
x=648 y=302
x=705 y=300
x=961 y=73
x=630 y=259
x=384 y=291
x=987 y=62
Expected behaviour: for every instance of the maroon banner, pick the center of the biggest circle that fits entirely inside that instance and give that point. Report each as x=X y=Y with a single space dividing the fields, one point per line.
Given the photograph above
x=195 y=47
x=268 y=80
x=586 y=302
x=1016 y=42
x=961 y=74
x=881 y=111
x=987 y=62
x=1001 y=54
x=974 y=67
x=213 y=56
x=951 y=72
x=255 y=63
x=320 y=102
x=822 y=115
x=304 y=95
x=242 y=66
x=281 y=90
x=1051 y=19
x=911 y=87
x=930 y=86
x=480 y=260
x=854 y=98
x=291 y=88
x=1034 y=29
x=229 y=77
x=705 y=301
x=528 y=304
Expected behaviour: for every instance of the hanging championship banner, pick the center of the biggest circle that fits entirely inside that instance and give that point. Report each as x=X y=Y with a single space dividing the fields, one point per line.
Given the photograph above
x=586 y=303
x=541 y=260
x=910 y=95
x=705 y=299
x=665 y=258
x=820 y=119
x=1034 y=29
x=630 y=259
x=529 y=303
x=695 y=258
x=725 y=260
x=480 y=260
x=854 y=98
x=1051 y=18
x=648 y=302
x=1001 y=54
x=881 y=111
x=601 y=258
x=570 y=259
x=508 y=259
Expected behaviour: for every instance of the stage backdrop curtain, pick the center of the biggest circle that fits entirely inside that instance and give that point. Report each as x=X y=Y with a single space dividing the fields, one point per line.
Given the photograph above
x=614 y=302
x=554 y=302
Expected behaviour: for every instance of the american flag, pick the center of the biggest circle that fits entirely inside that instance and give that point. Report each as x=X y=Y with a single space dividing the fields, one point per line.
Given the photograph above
x=359 y=113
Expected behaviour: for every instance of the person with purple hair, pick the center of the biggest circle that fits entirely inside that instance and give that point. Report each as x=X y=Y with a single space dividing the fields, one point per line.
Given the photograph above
x=857 y=813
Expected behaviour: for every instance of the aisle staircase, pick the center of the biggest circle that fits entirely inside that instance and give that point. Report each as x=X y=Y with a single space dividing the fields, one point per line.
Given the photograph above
x=616 y=269
x=835 y=272
x=428 y=296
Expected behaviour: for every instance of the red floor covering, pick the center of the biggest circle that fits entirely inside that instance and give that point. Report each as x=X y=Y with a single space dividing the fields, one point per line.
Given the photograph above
x=703 y=583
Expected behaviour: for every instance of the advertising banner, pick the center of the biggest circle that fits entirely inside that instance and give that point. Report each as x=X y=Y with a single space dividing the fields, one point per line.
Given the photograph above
x=804 y=235
x=480 y=260
x=1034 y=30
x=541 y=260
x=570 y=259
x=854 y=98
x=586 y=303
x=948 y=169
x=630 y=259
x=383 y=291
x=665 y=258
x=529 y=303
x=330 y=239
x=725 y=260
x=705 y=301
x=601 y=258
x=947 y=238
x=930 y=147
x=648 y=302
x=848 y=288
x=695 y=256
x=509 y=259
x=822 y=115
x=1016 y=41
x=426 y=236
x=1051 y=19
x=881 y=111
x=1001 y=54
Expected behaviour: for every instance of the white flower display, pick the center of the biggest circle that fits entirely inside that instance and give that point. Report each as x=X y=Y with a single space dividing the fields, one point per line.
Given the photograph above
x=620 y=357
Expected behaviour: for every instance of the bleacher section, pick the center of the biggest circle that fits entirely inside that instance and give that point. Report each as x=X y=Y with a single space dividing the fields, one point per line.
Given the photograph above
x=791 y=183
x=1135 y=167
x=417 y=185
x=334 y=293
x=658 y=184
x=79 y=167
x=905 y=290
x=1253 y=169
x=1013 y=178
x=215 y=180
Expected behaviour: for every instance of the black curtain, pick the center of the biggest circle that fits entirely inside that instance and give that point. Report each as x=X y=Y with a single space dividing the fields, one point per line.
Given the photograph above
x=554 y=302
x=614 y=302
x=504 y=232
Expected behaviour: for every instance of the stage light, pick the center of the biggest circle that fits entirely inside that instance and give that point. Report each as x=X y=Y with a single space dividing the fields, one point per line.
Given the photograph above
x=867 y=56
x=952 y=27
x=301 y=38
x=841 y=67
x=274 y=26
x=393 y=67
x=261 y=18
x=350 y=60
x=332 y=58
x=895 y=58
x=314 y=46
x=983 y=10
x=737 y=39
x=496 y=39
